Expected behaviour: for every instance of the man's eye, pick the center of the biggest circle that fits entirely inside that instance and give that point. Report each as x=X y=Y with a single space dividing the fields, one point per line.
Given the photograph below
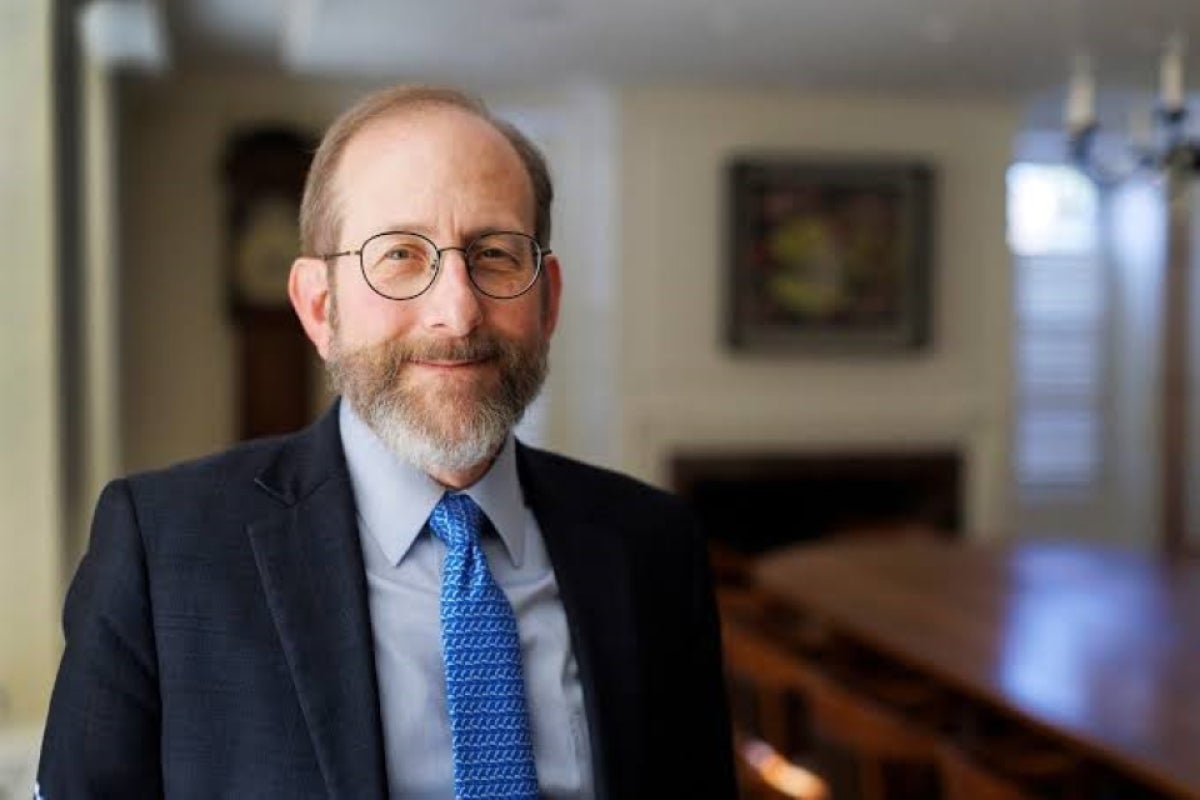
x=493 y=253
x=398 y=254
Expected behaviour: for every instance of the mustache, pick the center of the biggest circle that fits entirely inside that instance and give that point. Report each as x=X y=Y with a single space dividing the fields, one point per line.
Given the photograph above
x=390 y=357
x=474 y=348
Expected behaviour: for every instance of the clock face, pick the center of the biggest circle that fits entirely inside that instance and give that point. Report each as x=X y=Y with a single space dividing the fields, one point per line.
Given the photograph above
x=268 y=244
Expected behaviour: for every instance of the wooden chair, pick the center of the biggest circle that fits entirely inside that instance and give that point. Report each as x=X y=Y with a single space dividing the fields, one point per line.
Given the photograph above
x=765 y=774
x=774 y=680
x=869 y=732
x=767 y=686
x=750 y=608
x=873 y=734
x=964 y=778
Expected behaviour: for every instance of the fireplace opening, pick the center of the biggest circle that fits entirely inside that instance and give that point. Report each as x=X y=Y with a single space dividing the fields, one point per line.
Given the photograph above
x=751 y=503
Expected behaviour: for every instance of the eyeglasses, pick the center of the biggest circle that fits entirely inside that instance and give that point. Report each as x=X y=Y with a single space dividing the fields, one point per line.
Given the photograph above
x=401 y=265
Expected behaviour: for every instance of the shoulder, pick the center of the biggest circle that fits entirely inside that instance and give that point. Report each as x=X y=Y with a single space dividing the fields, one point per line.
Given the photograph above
x=280 y=468
x=235 y=466
x=224 y=491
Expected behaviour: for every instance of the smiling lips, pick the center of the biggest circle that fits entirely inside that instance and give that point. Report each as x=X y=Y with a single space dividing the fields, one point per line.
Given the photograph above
x=440 y=364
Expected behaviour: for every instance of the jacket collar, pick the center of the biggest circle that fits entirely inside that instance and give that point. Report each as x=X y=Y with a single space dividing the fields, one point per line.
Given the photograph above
x=591 y=564
x=307 y=460
x=310 y=563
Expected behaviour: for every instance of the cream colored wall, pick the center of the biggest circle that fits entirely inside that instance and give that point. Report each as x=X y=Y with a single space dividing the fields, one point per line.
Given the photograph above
x=177 y=342
x=577 y=130
x=101 y=424
x=29 y=480
x=680 y=387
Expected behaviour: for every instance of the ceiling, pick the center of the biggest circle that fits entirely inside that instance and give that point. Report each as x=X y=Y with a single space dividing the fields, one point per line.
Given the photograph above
x=1008 y=47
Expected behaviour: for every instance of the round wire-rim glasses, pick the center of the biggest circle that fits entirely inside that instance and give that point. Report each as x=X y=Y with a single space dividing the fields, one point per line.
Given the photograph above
x=402 y=265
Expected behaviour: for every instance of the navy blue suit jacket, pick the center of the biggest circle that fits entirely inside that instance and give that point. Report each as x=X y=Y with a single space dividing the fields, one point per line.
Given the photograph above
x=218 y=643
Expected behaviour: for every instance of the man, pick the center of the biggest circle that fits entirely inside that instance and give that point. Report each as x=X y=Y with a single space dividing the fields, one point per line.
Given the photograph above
x=402 y=600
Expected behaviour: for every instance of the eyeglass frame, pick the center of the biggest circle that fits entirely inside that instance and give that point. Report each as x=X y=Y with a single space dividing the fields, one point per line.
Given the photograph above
x=436 y=267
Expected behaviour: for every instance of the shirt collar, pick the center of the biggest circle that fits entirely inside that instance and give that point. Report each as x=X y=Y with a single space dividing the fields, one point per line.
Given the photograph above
x=394 y=499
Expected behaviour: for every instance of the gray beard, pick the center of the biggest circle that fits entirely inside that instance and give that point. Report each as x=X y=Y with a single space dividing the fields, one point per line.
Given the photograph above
x=451 y=431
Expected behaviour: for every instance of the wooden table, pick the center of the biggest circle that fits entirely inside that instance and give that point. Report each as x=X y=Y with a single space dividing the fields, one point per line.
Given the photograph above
x=1096 y=645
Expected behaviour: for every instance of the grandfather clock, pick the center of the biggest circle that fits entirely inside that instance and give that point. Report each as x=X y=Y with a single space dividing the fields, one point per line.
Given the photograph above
x=264 y=171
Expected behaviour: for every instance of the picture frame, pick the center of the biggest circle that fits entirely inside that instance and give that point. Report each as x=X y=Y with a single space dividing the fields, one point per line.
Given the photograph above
x=829 y=256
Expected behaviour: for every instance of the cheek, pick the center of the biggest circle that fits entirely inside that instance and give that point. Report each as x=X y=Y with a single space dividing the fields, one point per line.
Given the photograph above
x=367 y=319
x=525 y=318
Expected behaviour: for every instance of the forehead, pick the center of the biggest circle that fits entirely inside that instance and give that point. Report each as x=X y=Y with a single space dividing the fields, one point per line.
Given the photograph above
x=427 y=162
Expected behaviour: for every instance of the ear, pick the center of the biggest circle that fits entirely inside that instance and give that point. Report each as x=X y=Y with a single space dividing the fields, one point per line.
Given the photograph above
x=552 y=293
x=309 y=291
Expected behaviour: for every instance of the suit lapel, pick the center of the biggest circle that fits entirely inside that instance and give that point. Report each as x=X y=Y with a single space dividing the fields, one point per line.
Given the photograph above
x=592 y=569
x=311 y=567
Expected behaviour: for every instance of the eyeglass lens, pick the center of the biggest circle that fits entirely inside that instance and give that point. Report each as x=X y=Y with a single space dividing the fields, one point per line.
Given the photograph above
x=403 y=265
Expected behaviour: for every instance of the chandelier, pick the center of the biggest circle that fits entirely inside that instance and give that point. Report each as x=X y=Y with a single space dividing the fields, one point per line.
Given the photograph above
x=1160 y=146
x=1157 y=142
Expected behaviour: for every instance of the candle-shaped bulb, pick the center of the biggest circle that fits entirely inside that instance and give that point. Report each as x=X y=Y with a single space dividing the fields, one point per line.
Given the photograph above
x=1170 y=79
x=1080 y=112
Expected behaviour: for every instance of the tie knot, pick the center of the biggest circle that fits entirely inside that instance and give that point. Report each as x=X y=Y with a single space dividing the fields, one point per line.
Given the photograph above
x=456 y=519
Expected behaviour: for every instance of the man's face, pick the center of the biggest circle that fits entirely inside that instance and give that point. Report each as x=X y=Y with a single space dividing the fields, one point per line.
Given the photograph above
x=442 y=377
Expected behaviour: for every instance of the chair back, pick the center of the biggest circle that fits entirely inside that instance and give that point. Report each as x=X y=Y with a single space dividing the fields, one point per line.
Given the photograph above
x=963 y=778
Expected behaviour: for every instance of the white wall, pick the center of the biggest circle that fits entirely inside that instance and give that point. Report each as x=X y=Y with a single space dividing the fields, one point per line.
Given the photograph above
x=1135 y=227
x=681 y=388
x=29 y=480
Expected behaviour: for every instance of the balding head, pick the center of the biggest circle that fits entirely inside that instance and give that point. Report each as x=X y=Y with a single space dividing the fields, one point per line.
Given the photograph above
x=320 y=211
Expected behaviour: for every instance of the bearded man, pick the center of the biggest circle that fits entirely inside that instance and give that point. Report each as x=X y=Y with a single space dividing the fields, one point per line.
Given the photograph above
x=402 y=600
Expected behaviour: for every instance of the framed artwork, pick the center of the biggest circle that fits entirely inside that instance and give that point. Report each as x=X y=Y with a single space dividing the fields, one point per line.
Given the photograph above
x=829 y=256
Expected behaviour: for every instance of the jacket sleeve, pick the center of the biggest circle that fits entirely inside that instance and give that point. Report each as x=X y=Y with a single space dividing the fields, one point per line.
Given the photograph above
x=102 y=732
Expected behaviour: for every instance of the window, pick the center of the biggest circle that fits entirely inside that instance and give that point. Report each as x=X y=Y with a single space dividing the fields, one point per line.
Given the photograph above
x=1060 y=323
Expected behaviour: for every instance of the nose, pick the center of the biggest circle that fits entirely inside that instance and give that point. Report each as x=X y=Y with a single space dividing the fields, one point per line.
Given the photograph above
x=451 y=306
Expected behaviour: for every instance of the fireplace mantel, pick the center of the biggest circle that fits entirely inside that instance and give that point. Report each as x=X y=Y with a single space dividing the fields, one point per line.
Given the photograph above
x=753 y=501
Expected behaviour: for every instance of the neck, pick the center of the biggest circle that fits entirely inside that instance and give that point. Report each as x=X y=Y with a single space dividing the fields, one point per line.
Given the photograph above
x=461 y=479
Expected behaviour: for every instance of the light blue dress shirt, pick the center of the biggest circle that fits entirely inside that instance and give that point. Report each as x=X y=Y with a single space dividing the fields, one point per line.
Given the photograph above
x=403 y=563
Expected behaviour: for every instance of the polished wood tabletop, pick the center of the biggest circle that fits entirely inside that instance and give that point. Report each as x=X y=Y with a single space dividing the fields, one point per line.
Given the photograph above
x=1097 y=644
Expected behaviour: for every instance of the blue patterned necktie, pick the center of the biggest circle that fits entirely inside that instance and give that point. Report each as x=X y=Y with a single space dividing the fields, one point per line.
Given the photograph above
x=485 y=686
